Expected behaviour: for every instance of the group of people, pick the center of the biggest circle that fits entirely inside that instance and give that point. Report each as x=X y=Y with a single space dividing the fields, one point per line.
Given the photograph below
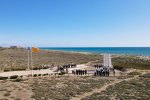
x=98 y=66
x=69 y=66
x=79 y=72
x=102 y=72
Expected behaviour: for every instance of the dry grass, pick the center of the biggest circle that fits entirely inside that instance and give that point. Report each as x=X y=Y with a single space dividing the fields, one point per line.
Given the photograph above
x=66 y=87
x=11 y=90
x=17 y=58
x=137 y=89
x=131 y=62
x=63 y=87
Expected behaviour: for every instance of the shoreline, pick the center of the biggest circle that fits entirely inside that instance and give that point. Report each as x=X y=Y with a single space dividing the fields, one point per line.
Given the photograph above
x=132 y=51
x=87 y=53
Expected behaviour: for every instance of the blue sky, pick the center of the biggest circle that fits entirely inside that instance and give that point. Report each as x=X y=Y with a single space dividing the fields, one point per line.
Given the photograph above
x=75 y=23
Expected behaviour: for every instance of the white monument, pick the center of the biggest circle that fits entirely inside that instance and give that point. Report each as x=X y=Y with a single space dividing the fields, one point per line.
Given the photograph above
x=107 y=63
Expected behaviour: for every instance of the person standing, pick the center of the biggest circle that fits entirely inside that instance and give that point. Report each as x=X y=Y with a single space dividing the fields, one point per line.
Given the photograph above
x=85 y=72
x=114 y=72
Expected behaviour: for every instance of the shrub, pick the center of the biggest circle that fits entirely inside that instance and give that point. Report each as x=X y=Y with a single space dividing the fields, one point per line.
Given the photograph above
x=39 y=74
x=35 y=75
x=21 y=76
x=18 y=69
x=7 y=94
x=83 y=62
x=146 y=75
x=62 y=73
x=3 y=78
x=6 y=70
x=45 y=74
x=120 y=68
x=14 y=77
x=17 y=80
x=134 y=73
x=35 y=68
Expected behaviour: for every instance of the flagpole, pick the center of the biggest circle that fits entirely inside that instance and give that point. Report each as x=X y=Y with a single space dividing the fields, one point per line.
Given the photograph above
x=33 y=49
x=28 y=59
x=31 y=62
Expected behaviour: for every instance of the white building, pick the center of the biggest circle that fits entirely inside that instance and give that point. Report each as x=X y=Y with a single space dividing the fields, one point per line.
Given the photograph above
x=107 y=61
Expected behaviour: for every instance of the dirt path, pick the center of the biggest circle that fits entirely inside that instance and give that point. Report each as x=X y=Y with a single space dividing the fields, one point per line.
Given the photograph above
x=99 y=90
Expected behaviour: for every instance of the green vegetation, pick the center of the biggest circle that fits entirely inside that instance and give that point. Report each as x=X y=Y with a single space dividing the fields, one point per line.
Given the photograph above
x=17 y=80
x=131 y=62
x=63 y=88
x=3 y=78
x=16 y=59
x=45 y=74
x=83 y=62
x=14 y=77
x=137 y=89
x=35 y=75
x=145 y=75
x=18 y=69
x=134 y=73
x=6 y=70
x=39 y=74
x=62 y=73
x=15 y=89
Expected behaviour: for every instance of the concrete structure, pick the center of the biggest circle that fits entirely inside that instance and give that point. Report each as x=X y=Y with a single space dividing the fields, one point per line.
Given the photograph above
x=107 y=63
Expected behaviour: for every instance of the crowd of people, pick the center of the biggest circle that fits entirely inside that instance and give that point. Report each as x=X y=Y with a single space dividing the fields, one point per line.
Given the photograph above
x=69 y=66
x=99 y=70
x=102 y=72
x=98 y=66
x=79 y=72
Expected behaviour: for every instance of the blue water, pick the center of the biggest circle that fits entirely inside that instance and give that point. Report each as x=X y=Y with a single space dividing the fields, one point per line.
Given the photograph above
x=98 y=50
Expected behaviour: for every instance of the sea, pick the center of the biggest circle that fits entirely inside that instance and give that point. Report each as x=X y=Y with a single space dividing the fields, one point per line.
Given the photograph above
x=138 y=51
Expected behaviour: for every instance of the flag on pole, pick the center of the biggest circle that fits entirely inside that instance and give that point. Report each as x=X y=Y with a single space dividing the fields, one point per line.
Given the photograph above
x=35 y=49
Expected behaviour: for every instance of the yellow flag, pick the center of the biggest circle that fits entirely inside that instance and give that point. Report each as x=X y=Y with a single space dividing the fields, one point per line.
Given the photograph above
x=34 y=49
